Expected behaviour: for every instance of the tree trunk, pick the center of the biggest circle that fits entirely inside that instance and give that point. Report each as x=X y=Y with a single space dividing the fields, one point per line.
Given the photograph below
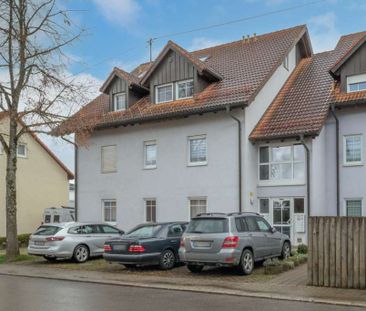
x=12 y=248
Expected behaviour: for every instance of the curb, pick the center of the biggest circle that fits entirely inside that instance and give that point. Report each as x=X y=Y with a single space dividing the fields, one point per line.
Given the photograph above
x=193 y=289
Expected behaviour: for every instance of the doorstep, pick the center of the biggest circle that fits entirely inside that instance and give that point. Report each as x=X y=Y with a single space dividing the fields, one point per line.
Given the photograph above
x=279 y=287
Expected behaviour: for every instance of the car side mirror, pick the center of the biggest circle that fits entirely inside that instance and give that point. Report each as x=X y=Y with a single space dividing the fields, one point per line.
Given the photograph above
x=273 y=230
x=121 y=232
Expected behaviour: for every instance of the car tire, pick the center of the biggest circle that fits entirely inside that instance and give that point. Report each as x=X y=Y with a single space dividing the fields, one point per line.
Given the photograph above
x=195 y=268
x=129 y=266
x=286 y=250
x=167 y=260
x=50 y=259
x=81 y=253
x=246 y=265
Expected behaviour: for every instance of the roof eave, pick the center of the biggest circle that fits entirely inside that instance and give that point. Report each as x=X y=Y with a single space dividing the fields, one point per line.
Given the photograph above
x=296 y=136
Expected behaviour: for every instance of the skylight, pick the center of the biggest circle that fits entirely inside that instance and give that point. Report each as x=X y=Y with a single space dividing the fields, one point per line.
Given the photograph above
x=202 y=58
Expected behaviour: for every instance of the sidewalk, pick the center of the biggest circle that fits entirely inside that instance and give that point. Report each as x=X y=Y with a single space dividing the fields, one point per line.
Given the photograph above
x=287 y=286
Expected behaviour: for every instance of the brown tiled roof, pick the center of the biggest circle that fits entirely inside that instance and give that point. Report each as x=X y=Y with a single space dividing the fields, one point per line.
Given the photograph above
x=69 y=174
x=244 y=66
x=141 y=69
x=302 y=105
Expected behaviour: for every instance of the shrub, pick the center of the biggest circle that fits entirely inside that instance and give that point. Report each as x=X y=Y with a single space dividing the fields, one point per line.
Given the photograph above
x=295 y=260
x=288 y=265
x=272 y=262
x=23 y=239
x=302 y=249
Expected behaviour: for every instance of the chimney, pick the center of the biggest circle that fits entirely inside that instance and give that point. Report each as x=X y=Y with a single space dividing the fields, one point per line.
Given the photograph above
x=255 y=37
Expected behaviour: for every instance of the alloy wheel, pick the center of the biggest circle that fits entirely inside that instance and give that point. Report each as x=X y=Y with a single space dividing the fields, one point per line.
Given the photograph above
x=81 y=254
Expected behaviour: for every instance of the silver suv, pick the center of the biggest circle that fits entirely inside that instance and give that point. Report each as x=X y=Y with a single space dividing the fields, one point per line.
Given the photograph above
x=235 y=239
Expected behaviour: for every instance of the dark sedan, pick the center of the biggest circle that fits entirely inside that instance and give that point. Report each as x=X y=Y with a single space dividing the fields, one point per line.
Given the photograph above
x=147 y=244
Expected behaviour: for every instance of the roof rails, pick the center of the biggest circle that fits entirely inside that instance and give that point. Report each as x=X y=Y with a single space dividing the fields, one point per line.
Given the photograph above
x=210 y=214
x=243 y=213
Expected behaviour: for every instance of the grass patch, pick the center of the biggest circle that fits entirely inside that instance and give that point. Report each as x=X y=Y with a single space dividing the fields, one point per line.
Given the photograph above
x=21 y=258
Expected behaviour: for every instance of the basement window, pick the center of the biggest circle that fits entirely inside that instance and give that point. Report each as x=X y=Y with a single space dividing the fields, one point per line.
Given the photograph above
x=22 y=150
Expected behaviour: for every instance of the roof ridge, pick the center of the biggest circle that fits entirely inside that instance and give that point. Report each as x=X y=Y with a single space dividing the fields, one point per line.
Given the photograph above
x=258 y=36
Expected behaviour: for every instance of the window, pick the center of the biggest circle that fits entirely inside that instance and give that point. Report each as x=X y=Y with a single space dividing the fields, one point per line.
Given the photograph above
x=164 y=93
x=262 y=224
x=352 y=149
x=175 y=231
x=208 y=225
x=282 y=163
x=22 y=150
x=197 y=206
x=109 y=159
x=109 y=229
x=299 y=206
x=150 y=151
x=56 y=218
x=184 y=89
x=286 y=63
x=251 y=224
x=354 y=207
x=241 y=225
x=197 y=146
x=264 y=208
x=356 y=83
x=150 y=205
x=110 y=210
x=119 y=101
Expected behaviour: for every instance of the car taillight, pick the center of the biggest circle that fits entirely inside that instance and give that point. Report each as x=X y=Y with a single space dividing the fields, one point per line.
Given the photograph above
x=181 y=243
x=231 y=242
x=136 y=249
x=107 y=248
x=54 y=238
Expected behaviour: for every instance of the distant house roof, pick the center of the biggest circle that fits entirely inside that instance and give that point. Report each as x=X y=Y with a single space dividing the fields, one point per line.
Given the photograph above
x=241 y=68
x=69 y=174
x=302 y=105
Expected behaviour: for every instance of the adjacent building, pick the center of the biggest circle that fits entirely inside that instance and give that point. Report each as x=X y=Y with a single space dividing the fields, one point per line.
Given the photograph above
x=261 y=124
x=42 y=181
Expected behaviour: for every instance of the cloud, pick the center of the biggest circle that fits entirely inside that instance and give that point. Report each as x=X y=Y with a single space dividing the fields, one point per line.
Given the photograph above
x=324 y=32
x=202 y=42
x=121 y=12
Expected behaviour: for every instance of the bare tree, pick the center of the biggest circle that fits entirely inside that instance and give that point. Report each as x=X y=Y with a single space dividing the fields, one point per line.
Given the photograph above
x=36 y=91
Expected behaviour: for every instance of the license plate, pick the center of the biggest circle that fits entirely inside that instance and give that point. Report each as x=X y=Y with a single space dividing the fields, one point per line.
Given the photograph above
x=119 y=247
x=205 y=244
x=39 y=243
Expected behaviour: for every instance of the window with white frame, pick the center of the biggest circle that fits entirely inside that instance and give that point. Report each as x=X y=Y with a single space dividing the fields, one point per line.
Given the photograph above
x=150 y=205
x=110 y=211
x=109 y=159
x=184 y=89
x=164 y=93
x=264 y=208
x=286 y=62
x=150 y=154
x=119 y=101
x=354 y=207
x=352 y=149
x=197 y=150
x=282 y=163
x=22 y=150
x=356 y=83
x=197 y=206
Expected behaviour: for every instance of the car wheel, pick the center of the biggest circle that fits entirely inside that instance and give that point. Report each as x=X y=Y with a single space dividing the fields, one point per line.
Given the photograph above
x=286 y=250
x=167 y=260
x=195 y=268
x=129 y=266
x=247 y=262
x=50 y=259
x=81 y=254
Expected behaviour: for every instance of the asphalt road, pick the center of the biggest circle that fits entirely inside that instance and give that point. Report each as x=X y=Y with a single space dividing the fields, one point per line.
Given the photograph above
x=24 y=294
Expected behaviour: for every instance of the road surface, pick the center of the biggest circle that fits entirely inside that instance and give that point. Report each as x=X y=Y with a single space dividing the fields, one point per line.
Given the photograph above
x=25 y=294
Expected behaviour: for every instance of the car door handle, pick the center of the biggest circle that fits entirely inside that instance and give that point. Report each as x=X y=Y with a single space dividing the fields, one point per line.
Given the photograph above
x=174 y=241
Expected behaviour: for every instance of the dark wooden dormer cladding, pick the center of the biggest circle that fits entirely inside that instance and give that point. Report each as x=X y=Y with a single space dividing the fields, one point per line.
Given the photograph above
x=355 y=65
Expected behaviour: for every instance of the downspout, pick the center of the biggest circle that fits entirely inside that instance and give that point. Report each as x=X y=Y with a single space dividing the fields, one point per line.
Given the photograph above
x=337 y=157
x=239 y=158
x=76 y=181
x=307 y=174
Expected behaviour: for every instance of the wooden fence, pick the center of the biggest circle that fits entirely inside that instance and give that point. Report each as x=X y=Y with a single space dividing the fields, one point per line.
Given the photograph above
x=337 y=252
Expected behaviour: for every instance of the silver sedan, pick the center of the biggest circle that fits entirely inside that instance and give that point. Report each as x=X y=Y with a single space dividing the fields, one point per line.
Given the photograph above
x=77 y=241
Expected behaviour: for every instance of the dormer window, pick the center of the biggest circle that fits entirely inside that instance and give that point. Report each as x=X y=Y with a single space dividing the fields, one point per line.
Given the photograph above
x=119 y=101
x=356 y=83
x=184 y=89
x=164 y=93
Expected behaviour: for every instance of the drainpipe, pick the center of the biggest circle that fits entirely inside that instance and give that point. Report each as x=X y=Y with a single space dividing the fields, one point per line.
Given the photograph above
x=333 y=111
x=307 y=174
x=239 y=157
x=76 y=180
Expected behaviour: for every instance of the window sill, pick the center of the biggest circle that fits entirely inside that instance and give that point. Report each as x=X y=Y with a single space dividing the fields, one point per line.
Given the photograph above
x=282 y=183
x=197 y=164
x=353 y=164
x=112 y=223
x=150 y=167
x=109 y=172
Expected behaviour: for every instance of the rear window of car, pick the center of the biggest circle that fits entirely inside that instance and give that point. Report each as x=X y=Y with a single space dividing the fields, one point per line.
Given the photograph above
x=208 y=225
x=47 y=230
x=148 y=231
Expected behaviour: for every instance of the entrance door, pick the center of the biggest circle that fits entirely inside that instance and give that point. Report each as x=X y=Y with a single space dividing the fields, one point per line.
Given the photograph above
x=282 y=216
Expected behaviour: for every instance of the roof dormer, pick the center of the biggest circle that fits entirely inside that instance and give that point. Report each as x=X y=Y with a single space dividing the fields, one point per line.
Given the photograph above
x=123 y=89
x=177 y=74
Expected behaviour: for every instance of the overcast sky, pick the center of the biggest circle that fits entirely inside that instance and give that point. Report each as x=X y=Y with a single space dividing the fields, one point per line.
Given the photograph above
x=118 y=31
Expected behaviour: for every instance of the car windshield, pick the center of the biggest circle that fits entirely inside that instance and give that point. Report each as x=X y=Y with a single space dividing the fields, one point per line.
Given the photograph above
x=148 y=231
x=47 y=230
x=208 y=225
